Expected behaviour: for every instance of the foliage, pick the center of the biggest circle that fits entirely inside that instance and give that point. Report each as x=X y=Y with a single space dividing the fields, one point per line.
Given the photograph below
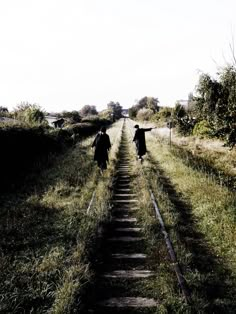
x=165 y=113
x=144 y=114
x=30 y=114
x=145 y=102
x=4 y=112
x=183 y=121
x=22 y=149
x=202 y=128
x=88 y=110
x=105 y=114
x=215 y=102
x=115 y=110
x=48 y=237
x=71 y=116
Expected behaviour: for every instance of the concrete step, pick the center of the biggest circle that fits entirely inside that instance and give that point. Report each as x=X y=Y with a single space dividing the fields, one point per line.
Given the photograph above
x=129 y=256
x=125 y=194
x=129 y=274
x=125 y=201
x=125 y=239
x=123 y=185
x=126 y=302
x=124 y=210
x=131 y=219
x=128 y=229
x=123 y=176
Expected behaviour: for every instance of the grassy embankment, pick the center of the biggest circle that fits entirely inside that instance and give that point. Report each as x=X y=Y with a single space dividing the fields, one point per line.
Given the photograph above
x=200 y=217
x=209 y=156
x=47 y=234
x=26 y=149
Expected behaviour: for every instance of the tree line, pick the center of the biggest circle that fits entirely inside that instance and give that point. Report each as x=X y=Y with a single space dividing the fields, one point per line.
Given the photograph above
x=210 y=112
x=34 y=115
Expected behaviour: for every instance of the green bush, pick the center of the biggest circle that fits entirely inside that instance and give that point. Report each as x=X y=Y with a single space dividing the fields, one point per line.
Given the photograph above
x=31 y=115
x=202 y=129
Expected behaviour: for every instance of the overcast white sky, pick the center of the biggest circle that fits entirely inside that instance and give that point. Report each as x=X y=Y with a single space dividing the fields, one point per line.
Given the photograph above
x=63 y=54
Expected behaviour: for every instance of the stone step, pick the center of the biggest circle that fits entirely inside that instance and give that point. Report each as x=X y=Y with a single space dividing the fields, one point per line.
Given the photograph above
x=128 y=229
x=125 y=239
x=125 y=194
x=125 y=201
x=129 y=274
x=129 y=256
x=126 y=302
x=125 y=209
x=124 y=176
x=131 y=219
x=122 y=190
x=123 y=181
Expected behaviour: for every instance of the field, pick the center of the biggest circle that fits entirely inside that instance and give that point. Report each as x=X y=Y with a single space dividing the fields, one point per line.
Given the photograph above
x=53 y=228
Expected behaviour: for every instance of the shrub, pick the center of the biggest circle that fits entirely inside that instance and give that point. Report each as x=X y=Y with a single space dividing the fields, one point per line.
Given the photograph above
x=22 y=150
x=144 y=114
x=203 y=129
x=32 y=115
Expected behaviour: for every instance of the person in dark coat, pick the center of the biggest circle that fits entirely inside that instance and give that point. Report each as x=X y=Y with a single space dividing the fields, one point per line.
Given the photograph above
x=139 y=139
x=102 y=145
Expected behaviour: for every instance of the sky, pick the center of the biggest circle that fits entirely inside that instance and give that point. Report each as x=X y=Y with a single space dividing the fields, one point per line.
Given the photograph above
x=64 y=54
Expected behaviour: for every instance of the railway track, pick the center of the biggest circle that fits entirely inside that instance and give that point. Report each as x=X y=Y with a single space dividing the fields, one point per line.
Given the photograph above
x=122 y=268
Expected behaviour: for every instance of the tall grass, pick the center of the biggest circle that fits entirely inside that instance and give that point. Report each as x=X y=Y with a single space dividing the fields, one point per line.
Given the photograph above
x=200 y=217
x=47 y=235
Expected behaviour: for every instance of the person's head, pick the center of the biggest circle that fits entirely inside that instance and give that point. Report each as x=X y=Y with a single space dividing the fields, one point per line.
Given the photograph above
x=103 y=129
x=136 y=126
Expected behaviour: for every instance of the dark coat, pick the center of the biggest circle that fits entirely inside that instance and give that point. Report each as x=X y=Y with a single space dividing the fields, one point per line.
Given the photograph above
x=139 y=139
x=102 y=145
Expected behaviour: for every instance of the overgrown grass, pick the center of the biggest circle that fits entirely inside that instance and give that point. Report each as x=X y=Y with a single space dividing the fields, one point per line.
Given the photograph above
x=47 y=235
x=200 y=217
x=210 y=156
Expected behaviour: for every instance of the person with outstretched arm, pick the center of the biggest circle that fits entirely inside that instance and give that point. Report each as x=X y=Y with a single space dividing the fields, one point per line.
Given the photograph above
x=139 y=139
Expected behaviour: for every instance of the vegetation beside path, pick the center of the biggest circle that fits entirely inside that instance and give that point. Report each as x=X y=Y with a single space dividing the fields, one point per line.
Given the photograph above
x=200 y=216
x=47 y=234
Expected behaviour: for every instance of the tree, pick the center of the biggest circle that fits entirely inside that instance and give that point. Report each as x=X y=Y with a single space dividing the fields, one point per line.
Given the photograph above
x=4 y=112
x=88 y=110
x=115 y=109
x=165 y=113
x=72 y=116
x=145 y=102
x=183 y=121
x=148 y=103
x=144 y=114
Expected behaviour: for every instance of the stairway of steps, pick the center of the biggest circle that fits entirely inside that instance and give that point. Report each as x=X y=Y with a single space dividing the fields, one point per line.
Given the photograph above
x=123 y=271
